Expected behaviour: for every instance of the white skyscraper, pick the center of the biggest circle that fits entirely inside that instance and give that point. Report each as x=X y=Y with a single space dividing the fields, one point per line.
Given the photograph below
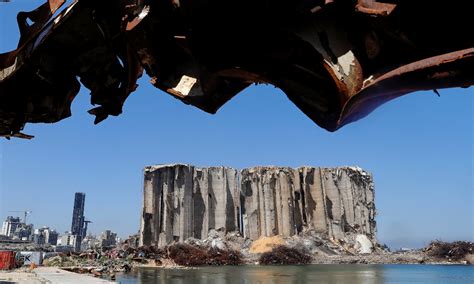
x=10 y=225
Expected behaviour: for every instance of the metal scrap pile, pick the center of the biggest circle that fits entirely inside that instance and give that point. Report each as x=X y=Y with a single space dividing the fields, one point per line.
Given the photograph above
x=188 y=255
x=91 y=262
x=451 y=251
x=336 y=60
x=285 y=255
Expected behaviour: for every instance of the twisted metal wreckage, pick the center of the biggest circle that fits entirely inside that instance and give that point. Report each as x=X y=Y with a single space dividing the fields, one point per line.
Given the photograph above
x=336 y=60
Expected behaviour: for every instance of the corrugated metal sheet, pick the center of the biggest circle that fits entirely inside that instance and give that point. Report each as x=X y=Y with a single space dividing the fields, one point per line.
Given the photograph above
x=7 y=259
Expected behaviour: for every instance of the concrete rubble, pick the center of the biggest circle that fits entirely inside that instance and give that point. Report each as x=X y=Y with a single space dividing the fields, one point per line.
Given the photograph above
x=221 y=248
x=231 y=248
x=183 y=201
x=363 y=245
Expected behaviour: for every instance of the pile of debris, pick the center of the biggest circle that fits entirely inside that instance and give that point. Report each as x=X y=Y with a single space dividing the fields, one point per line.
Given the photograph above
x=452 y=251
x=124 y=258
x=284 y=255
x=188 y=255
x=233 y=249
x=91 y=262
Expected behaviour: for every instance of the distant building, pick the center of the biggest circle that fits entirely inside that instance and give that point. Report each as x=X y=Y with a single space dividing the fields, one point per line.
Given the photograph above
x=108 y=239
x=24 y=232
x=90 y=242
x=133 y=241
x=45 y=236
x=38 y=237
x=84 y=230
x=70 y=240
x=9 y=226
x=61 y=248
x=50 y=236
x=77 y=226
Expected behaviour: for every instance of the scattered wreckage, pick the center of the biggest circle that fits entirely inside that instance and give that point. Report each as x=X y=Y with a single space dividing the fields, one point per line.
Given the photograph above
x=336 y=60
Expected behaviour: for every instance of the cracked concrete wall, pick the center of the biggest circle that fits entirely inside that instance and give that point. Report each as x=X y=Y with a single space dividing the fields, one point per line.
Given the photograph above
x=338 y=200
x=182 y=201
x=269 y=201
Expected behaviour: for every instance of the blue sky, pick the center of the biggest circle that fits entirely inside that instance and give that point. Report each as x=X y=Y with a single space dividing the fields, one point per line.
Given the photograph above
x=419 y=149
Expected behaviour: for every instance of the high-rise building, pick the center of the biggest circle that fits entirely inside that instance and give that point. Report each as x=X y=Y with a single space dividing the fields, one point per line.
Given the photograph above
x=77 y=226
x=10 y=225
x=108 y=239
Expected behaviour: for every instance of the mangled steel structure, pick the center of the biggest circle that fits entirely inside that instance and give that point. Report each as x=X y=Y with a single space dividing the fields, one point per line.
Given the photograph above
x=336 y=60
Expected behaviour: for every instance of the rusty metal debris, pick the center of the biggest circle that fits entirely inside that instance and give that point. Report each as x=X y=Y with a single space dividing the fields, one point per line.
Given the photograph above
x=284 y=255
x=336 y=60
x=453 y=251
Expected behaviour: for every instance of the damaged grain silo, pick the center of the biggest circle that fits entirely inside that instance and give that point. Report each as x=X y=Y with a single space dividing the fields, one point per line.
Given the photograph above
x=183 y=201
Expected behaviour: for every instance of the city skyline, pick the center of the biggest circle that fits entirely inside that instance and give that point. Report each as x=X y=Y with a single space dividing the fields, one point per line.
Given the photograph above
x=79 y=224
x=15 y=231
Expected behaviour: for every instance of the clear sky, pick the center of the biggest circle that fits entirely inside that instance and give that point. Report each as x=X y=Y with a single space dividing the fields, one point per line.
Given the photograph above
x=419 y=149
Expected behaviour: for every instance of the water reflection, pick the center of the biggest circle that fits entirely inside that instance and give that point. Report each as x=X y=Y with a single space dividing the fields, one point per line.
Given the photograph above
x=303 y=274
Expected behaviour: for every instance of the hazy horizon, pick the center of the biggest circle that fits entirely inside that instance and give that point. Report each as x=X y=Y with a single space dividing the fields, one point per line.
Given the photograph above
x=419 y=149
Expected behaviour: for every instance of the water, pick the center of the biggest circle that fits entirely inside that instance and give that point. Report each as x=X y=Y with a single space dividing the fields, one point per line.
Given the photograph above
x=327 y=273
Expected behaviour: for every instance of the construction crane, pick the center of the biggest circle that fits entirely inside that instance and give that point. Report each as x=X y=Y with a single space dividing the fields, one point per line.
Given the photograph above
x=25 y=212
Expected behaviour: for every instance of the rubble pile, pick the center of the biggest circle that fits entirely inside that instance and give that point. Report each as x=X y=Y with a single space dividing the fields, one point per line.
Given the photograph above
x=284 y=255
x=92 y=262
x=26 y=247
x=452 y=251
x=188 y=255
x=221 y=248
x=123 y=258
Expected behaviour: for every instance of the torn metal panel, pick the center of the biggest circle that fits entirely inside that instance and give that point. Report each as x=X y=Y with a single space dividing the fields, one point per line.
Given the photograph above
x=373 y=7
x=335 y=60
x=40 y=16
x=454 y=69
